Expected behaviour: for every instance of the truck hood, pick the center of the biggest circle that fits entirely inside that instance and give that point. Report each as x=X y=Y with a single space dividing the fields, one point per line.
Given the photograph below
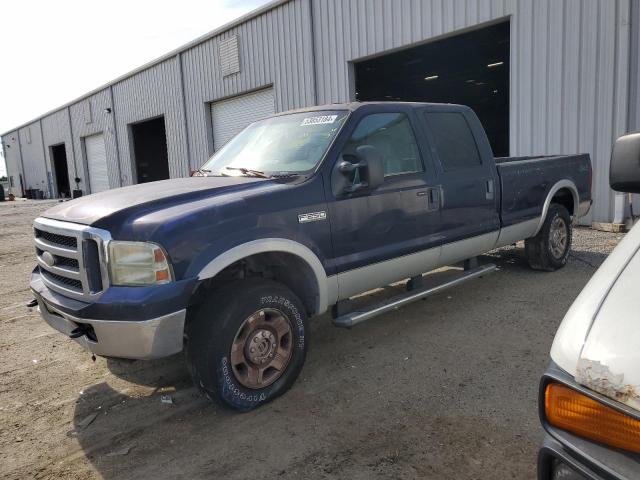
x=88 y=210
x=598 y=341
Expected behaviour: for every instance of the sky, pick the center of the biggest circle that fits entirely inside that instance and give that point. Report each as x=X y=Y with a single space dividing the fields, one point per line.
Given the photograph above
x=55 y=51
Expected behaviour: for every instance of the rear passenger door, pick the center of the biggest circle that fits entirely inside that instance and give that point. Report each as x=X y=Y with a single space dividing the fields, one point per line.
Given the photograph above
x=469 y=204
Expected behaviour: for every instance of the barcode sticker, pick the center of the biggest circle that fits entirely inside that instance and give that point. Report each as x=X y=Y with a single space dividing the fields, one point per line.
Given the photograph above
x=319 y=120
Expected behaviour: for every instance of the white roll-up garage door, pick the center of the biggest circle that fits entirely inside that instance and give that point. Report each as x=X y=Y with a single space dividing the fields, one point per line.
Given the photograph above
x=97 y=163
x=230 y=116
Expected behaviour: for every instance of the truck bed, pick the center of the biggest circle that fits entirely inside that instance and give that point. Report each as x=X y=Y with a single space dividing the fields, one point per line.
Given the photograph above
x=525 y=182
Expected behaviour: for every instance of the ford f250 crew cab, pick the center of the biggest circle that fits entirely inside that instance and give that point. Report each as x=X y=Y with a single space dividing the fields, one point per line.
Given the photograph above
x=293 y=217
x=589 y=398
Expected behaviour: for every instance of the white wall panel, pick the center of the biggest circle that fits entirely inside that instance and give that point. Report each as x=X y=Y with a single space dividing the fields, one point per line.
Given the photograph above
x=151 y=93
x=101 y=121
x=55 y=130
x=275 y=49
x=33 y=161
x=11 y=148
x=569 y=65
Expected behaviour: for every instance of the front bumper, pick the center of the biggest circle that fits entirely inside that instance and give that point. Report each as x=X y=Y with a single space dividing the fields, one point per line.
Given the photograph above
x=145 y=326
x=145 y=339
x=555 y=462
x=575 y=457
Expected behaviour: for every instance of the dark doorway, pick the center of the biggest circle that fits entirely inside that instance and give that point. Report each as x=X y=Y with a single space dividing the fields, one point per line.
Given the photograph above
x=469 y=69
x=150 y=150
x=61 y=170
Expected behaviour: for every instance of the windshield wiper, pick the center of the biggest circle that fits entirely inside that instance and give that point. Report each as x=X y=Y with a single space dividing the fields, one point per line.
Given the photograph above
x=249 y=172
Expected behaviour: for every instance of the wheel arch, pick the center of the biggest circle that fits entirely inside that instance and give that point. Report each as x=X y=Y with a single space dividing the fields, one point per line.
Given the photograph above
x=305 y=263
x=560 y=191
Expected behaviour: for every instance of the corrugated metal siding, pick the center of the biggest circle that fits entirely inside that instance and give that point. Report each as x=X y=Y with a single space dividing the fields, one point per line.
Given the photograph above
x=149 y=94
x=569 y=72
x=634 y=72
x=229 y=117
x=11 y=149
x=569 y=69
x=55 y=130
x=33 y=160
x=101 y=122
x=275 y=49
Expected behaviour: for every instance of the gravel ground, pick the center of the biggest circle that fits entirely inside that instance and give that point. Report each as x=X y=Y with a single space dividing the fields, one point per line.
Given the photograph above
x=443 y=388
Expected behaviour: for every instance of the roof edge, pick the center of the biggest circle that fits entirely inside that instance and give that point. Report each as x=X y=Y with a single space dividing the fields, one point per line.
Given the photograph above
x=187 y=46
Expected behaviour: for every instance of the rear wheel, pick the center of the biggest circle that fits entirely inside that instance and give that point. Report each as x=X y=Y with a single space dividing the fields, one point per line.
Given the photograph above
x=247 y=343
x=549 y=249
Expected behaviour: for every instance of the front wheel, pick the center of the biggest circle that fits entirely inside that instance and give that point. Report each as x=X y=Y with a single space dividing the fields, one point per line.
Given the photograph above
x=549 y=249
x=247 y=343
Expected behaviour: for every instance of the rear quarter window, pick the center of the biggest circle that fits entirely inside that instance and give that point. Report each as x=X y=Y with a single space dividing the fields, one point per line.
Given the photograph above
x=453 y=140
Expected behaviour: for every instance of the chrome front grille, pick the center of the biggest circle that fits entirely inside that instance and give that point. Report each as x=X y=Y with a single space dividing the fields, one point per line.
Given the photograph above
x=72 y=258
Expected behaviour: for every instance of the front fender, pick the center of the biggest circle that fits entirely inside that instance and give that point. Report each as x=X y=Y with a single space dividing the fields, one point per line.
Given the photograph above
x=326 y=287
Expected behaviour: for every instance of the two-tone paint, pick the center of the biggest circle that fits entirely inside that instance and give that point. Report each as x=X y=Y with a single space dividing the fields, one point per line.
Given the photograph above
x=347 y=244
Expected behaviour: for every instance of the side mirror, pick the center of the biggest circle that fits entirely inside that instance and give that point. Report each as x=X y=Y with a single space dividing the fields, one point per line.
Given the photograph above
x=624 y=170
x=366 y=173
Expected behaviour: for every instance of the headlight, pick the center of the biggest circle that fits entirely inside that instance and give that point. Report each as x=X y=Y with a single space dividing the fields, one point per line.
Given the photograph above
x=573 y=411
x=138 y=263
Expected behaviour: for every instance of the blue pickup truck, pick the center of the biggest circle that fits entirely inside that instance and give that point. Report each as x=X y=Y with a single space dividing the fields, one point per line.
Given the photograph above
x=293 y=217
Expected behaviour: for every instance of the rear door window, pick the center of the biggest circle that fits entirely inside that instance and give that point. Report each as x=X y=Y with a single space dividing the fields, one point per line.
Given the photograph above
x=453 y=140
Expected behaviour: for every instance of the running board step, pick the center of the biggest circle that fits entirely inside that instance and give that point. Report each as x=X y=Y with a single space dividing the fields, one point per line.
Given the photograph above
x=353 y=318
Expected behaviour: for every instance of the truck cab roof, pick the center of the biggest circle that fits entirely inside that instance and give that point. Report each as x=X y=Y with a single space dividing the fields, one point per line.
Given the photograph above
x=353 y=106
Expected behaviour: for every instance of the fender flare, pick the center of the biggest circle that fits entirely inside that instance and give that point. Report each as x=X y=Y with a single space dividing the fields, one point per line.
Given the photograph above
x=568 y=184
x=265 y=245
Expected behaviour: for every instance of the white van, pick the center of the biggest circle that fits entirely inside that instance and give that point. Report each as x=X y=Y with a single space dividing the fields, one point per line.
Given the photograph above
x=589 y=399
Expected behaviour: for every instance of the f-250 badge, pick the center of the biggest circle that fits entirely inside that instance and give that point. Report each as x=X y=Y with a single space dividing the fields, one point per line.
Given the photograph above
x=312 y=217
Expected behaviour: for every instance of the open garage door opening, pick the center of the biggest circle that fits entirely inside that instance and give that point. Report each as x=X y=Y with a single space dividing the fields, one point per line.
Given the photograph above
x=469 y=69
x=150 y=150
x=60 y=170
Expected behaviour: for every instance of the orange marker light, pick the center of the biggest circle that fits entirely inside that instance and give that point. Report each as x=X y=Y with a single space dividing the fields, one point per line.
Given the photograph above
x=162 y=275
x=570 y=410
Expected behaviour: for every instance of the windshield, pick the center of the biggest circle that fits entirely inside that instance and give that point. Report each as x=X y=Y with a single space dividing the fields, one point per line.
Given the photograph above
x=292 y=143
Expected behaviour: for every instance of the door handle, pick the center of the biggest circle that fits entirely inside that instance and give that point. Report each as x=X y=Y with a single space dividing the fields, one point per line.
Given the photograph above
x=433 y=198
x=489 y=195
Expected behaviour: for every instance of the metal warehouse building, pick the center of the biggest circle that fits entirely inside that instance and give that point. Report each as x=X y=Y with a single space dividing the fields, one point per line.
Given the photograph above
x=544 y=76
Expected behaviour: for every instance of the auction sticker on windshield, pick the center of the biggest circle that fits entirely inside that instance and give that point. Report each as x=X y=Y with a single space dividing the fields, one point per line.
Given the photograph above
x=319 y=120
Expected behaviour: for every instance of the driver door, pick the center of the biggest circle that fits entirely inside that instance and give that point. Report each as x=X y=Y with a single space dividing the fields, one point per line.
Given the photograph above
x=391 y=232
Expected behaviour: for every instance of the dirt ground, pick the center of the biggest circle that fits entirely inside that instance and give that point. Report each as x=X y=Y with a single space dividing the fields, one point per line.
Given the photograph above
x=443 y=388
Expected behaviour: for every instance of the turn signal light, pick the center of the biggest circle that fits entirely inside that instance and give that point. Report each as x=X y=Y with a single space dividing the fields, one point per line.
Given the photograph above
x=570 y=410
